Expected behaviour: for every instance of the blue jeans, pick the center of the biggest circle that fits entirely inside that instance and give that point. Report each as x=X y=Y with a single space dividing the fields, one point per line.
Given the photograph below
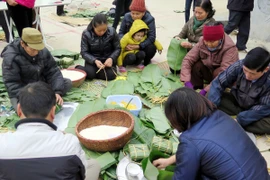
x=187 y=8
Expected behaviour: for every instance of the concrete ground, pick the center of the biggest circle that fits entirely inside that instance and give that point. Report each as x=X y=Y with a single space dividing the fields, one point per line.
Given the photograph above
x=169 y=23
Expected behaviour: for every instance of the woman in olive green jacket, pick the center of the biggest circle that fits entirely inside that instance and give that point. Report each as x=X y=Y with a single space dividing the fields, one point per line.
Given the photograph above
x=192 y=30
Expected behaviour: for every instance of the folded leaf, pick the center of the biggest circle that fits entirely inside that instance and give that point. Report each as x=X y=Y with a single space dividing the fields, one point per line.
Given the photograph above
x=176 y=54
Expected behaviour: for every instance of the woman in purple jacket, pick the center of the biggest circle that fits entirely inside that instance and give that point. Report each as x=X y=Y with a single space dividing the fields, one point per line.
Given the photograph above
x=212 y=145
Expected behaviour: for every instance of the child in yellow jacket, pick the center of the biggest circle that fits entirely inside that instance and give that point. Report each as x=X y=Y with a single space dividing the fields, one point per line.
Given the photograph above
x=135 y=36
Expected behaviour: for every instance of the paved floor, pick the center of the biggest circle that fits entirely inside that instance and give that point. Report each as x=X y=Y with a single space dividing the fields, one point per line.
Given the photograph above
x=64 y=36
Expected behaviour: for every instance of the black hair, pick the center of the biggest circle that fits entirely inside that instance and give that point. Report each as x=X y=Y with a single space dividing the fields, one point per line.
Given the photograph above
x=207 y=6
x=37 y=99
x=257 y=59
x=141 y=30
x=98 y=19
x=185 y=107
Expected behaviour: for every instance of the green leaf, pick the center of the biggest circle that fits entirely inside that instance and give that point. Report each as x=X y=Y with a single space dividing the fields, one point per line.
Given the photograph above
x=150 y=171
x=118 y=87
x=176 y=54
x=134 y=77
x=151 y=74
x=84 y=109
x=60 y=53
x=157 y=117
x=106 y=160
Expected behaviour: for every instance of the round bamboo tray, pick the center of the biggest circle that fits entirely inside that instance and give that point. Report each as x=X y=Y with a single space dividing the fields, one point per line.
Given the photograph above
x=110 y=117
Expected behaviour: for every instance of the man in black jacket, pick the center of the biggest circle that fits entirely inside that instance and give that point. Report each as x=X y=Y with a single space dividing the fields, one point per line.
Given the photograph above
x=26 y=60
x=239 y=17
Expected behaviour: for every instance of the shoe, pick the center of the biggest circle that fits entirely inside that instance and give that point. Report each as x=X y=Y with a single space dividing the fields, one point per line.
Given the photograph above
x=140 y=66
x=122 y=69
x=61 y=14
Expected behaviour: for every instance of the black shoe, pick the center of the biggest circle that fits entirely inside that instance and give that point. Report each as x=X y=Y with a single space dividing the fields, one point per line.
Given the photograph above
x=61 y=14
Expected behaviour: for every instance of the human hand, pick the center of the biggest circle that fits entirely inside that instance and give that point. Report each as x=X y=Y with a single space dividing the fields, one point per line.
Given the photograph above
x=12 y=2
x=162 y=163
x=188 y=84
x=203 y=92
x=186 y=44
x=131 y=47
x=59 y=99
x=99 y=64
x=108 y=62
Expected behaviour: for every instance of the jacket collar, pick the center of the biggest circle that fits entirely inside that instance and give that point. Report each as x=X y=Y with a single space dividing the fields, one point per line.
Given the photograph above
x=35 y=120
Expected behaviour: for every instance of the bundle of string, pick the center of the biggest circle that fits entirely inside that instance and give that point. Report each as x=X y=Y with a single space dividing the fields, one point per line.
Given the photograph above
x=103 y=68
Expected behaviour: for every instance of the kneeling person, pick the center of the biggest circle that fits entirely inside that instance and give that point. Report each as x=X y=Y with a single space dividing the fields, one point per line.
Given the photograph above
x=249 y=97
x=26 y=60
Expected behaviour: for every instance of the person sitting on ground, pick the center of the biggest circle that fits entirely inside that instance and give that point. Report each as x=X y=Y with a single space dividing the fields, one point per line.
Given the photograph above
x=37 y=150
x=136 y=35
x=26 y=60
x=138 y=11
x=249 y=97
x=192 y=30
x=100 y=48
x=209 y=148
x=211 y=55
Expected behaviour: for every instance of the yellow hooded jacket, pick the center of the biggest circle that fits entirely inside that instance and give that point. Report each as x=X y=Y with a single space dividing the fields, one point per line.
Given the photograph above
x=137 y=25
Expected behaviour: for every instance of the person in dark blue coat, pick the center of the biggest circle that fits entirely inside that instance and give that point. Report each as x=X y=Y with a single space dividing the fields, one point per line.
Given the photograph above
x=249 y=97
x=212 y=145
x=138 y=11
x=100 y=48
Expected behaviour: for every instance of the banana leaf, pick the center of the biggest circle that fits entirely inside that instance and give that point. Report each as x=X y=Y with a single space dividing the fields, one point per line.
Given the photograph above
x=79 y=95
x=118 y=87
x=9 y=121
x=157 y=117
x=151 y=172
x=151 y=74
x=134 y=77
x=106 y=160
x=60 y=53
x=84 y=109
x=176 y=54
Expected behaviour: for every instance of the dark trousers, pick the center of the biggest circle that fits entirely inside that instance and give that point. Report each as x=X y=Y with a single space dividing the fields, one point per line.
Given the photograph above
x=92 y=69
x=134 y=59
x=187 y=8
x=121 y=7
x=230 y=106
x=22 y=17
x=60 y=10
x=199 y=73
x=4 y=25
x=150 y=52
x=240 y=20
x=67 y=87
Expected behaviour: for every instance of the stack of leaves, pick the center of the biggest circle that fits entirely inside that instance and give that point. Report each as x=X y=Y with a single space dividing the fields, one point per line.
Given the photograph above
x=156 y=120
x=8 y=122
x=4 y=100
x=61 y=53
x=78 y=95
x=90 y=14
x=64 y=63
x=153 y=85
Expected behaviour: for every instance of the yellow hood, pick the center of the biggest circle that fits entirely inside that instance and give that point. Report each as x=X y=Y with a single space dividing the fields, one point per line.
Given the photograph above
x=137 y=25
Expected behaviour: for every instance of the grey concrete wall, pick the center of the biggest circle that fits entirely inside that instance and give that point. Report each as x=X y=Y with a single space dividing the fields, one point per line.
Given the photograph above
x=260 y=21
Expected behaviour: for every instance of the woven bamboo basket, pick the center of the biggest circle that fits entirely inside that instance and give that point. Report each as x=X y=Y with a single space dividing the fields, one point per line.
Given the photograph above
x=110 y=117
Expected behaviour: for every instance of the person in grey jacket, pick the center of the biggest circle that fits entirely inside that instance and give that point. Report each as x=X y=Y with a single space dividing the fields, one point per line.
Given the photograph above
x=26 y=60
x=100 y=48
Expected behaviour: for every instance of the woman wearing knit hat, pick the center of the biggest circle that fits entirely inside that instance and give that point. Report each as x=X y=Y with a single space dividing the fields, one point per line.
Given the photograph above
x=214 y=52
x=139 y=11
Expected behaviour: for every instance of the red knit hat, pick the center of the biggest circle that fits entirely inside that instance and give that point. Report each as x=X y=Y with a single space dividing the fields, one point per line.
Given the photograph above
x=137 y=5
x=213 y=33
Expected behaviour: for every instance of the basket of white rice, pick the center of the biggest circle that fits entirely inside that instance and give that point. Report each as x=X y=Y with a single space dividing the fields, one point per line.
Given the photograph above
x=106 y=130
x=76 y=76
